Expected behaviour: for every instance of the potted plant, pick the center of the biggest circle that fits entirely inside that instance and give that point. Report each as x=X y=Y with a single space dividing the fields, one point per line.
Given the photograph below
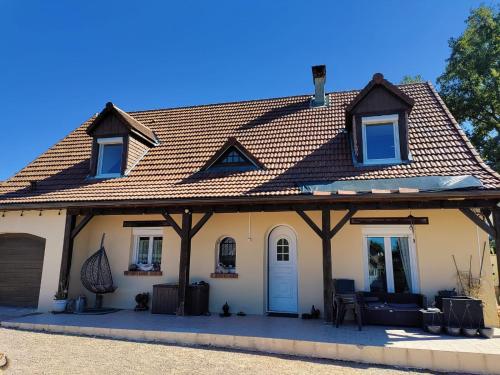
x=60 y=298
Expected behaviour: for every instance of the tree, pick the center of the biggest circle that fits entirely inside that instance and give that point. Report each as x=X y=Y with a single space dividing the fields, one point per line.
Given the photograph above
x=411 y=79
x=470 y=85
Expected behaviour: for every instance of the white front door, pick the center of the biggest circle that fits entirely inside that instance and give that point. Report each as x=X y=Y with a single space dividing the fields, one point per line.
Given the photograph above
x=282 y=278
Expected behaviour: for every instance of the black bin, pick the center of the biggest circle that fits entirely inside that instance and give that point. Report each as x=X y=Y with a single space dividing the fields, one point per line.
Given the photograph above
x=166 y=297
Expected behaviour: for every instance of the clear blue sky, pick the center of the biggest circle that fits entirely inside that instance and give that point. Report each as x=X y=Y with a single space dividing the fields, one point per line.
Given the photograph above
x=61 y=61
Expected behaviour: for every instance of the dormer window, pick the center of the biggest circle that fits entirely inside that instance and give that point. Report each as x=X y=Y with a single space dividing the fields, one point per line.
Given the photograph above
x=109 y=163
x=378 y=124
x=233 y=156
x=119 y=143
x=381 y=139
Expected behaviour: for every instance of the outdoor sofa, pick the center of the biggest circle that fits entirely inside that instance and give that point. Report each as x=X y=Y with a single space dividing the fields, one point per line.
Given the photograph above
x=392 y=309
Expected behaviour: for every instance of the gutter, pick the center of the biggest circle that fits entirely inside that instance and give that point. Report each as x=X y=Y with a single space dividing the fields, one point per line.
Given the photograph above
x=380 y=198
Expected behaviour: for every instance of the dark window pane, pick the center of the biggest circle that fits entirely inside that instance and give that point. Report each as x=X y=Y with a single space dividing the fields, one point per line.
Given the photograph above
x=282 y=250
x=376 y=264
x=157 y=244
x=142 y=251
x=401 y=264
x=111 y=160
x=380 y=141
x=233 y=157
x=227 y=252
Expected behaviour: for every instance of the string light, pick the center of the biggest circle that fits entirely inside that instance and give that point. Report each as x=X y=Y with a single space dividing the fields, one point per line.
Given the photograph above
x=22 y=213
x=3 y=214
x=59 y=212
x=40 y=213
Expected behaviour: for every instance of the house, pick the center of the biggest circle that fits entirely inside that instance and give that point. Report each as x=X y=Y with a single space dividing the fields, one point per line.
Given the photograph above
x=266 y=200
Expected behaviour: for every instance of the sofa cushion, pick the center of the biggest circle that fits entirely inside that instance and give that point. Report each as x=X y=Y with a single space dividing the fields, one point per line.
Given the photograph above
x=404 y=306
x=377 y=306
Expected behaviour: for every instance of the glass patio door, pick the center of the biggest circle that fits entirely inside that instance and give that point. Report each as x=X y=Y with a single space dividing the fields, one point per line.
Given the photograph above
x=391 y=265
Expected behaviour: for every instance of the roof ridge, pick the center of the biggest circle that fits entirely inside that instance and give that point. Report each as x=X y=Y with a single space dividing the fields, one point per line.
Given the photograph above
x=462 y=134
x=257 y=100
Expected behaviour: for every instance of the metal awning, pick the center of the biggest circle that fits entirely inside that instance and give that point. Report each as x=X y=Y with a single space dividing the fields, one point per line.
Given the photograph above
x=422 y=184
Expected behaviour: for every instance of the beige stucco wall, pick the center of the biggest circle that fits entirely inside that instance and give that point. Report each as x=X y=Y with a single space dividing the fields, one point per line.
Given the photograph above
x=449 y=232
x=51 y=227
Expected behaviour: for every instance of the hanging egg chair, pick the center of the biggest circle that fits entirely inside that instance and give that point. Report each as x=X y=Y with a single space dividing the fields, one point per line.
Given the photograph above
x=96 y=275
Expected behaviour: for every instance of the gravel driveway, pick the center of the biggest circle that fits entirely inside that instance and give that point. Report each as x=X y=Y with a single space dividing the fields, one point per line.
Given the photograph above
x=40 y=353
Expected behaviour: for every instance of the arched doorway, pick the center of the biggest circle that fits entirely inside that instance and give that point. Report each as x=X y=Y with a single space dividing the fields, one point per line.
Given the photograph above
x=282 y=270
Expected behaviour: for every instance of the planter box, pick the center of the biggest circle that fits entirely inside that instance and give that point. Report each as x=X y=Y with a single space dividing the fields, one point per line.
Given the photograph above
x=455 y=312
x=166 y=297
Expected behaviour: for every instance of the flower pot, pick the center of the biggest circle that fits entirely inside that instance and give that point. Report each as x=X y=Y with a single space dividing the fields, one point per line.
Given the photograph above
x=486 y=332
x=434 y=329
x=453 y=331
x=59 y=305
x=469 y=332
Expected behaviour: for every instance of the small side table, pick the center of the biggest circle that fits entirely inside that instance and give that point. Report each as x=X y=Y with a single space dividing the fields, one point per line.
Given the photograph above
x=431 y=316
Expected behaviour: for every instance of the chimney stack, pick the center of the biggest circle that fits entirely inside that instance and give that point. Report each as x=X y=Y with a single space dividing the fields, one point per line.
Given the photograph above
x=319 y=78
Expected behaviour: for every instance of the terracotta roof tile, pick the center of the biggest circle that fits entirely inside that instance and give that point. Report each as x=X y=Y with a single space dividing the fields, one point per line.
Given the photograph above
x=296 y=143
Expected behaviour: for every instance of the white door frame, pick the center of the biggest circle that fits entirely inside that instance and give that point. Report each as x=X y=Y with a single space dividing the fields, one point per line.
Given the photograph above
x=391 y=231
x=293 y=235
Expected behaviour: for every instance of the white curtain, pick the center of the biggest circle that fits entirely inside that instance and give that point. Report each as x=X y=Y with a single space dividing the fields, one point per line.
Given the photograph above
x=405 y=257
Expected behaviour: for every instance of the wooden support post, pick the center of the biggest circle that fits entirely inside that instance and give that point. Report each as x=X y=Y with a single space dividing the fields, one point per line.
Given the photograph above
x=186 y=232
x=184 y=262
x=326 y=234
x=327 y=265
x=67 y=252
x=496 y=227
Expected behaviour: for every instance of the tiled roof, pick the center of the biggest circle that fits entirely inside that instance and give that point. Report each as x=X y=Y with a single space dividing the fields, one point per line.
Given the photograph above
x=297 y=144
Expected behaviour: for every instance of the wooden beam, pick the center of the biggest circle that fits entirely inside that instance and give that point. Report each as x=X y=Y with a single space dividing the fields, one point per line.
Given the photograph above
x=145 y=223
x=172 y=223
x=250 y=205
x=200 y=224
x=327 y=266
x=342 y=222
x=67 y=252
x=310 y=222
x=478 y=221
x=86 y=219
x=185 y=259
x=409 y=220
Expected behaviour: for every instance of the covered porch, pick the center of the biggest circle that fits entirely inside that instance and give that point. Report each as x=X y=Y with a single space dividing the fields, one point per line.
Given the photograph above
x=310 y=338
x=329 y=243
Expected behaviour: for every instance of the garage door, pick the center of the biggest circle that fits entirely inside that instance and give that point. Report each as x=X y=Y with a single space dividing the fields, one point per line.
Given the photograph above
x=21 y=262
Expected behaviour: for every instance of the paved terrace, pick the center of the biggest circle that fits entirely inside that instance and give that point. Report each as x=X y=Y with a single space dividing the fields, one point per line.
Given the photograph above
x=374 y=344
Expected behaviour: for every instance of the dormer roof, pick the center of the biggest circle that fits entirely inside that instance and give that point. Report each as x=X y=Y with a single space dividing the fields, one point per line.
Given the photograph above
x=378 y=80
x=125 y=119
x=232 y=145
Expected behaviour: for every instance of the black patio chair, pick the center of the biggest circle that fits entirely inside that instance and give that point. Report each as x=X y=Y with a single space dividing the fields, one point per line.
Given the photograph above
x=344 y=299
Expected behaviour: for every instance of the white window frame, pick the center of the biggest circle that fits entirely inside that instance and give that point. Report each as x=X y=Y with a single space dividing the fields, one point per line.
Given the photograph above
x=103 y=142
x=387 y=232
x=146 y=232
x=374 y=120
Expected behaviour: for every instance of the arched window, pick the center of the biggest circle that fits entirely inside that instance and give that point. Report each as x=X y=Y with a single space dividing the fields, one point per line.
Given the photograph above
x=227 y=253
